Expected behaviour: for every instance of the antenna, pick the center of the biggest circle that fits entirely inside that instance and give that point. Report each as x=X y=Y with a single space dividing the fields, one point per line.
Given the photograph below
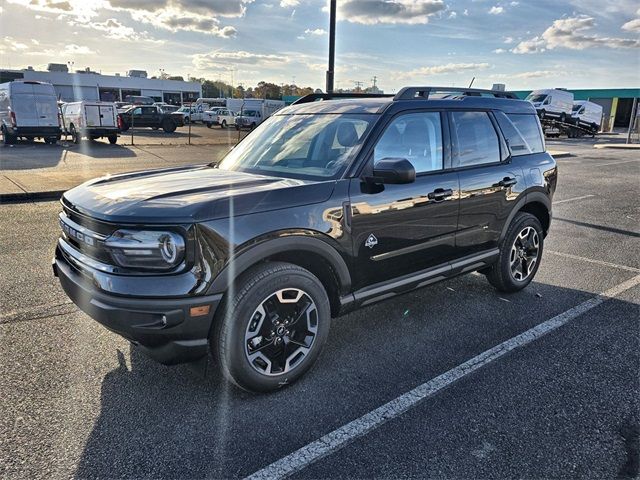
x=472 y=80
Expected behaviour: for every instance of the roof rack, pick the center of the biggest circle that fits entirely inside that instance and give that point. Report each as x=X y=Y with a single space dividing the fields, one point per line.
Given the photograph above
x=422 y=93
x=314 y=97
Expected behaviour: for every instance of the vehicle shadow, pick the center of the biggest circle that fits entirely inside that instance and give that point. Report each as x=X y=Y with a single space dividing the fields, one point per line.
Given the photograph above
x=174 y=422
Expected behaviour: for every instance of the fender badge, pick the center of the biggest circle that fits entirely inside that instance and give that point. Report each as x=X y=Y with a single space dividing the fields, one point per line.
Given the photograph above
x=371 y=242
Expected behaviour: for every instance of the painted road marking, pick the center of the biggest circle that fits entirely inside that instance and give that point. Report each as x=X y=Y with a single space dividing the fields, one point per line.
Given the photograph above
x=572 y=199
x=591 y=260
x=614 y=163
x=342 y=436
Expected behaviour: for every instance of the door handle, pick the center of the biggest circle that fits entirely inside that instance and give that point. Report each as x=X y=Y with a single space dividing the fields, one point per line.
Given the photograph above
x=440 y=194
x=508 y=182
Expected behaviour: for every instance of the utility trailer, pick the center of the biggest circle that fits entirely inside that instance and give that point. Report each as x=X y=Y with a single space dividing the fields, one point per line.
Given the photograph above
x=554 y=128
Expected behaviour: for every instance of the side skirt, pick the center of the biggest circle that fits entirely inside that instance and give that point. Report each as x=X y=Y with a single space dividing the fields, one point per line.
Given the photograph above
x=397 y=286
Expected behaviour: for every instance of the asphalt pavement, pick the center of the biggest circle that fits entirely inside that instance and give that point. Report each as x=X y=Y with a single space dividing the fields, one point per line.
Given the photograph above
x=78 y=401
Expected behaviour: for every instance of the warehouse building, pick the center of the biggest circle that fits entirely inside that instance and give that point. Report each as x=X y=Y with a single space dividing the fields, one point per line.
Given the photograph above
x=617 y=103
x=89 y=85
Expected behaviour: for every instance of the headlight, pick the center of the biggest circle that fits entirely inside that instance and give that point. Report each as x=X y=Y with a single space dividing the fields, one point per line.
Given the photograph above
x=146 y=249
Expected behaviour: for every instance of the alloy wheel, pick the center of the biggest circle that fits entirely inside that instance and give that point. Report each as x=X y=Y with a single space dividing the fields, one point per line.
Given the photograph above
x=524 y=254
x=281 y=332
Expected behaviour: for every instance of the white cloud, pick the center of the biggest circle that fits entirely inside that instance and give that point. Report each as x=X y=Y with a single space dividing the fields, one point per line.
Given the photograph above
x=289 y=3
x=372 y=12
x=453 y=14
x=572 y=33
x=496 y=10
x=441 y=70
x=632 y=25
x=466 y=12
x=525 y=75
x=508 y=40
x=316 y=31
x=226 y=59
x=73 y=49
x=499 y=50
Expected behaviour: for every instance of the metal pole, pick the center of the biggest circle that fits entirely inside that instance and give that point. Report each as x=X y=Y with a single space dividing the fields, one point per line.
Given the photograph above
x=332 y=44
x=189 y=124
x=633 y=118
x=131 y=127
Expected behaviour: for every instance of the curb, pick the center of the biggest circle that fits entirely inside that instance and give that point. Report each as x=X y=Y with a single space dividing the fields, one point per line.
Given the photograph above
x=30 y=196
x=560 y=154
x=619 y=146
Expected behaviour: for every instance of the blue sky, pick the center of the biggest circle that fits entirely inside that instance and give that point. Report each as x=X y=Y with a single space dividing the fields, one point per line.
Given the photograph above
x=575 y=44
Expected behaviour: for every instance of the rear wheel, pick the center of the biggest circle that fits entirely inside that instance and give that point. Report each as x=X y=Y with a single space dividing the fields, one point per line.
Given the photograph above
x=7 y=139
x=223 y=124
x=113 y=139
x=168 y=126
x=208 y=124
x=520 y=254
x=75 y=136
x=272 y=330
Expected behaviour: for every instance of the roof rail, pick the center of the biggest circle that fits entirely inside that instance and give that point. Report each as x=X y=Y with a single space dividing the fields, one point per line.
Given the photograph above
x=422 y=93
x=313 y=97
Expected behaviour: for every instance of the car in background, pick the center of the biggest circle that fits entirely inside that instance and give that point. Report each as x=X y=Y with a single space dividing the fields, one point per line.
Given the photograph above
x=249 y=119
x=587 y=115
x=90 y=119
x=148 y=116
x=552 y=103
x=166 y=108
x=219 y=116
x=29 y=109
x=192 y=113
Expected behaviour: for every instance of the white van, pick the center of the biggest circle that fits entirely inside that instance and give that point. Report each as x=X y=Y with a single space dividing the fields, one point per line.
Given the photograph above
x=587 y=114
x=552 y=103
x=90 y=119
x=29 y=110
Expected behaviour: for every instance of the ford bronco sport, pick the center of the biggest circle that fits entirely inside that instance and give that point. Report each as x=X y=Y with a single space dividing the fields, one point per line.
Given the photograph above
x=331 y=204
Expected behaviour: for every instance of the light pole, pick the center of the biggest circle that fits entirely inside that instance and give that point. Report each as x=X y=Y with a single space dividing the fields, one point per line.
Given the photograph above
x=332 y=44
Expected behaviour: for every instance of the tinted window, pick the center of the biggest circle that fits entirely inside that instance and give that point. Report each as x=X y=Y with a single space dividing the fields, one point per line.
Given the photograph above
x=529 y=127
x=300 y=146
x=475 y=141
x=416 y=137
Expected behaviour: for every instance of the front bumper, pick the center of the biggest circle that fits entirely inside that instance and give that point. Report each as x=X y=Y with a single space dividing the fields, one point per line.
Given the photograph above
x=162 y=328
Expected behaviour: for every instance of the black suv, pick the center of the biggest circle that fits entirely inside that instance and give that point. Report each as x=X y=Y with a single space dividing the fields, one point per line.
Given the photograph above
x=331 y=204
x=149 y=116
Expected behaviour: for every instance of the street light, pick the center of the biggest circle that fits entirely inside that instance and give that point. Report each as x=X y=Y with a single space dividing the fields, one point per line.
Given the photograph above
x=332 y=44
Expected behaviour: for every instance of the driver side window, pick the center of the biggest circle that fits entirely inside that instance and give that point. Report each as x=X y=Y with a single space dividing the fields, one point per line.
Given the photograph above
x=416 y=137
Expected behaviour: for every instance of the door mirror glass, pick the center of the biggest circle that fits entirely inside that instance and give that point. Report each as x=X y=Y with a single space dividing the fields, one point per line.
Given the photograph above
x=394 y=171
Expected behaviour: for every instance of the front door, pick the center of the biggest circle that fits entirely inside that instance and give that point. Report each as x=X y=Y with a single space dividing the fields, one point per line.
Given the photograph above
x=489 y=181
x=401 y=229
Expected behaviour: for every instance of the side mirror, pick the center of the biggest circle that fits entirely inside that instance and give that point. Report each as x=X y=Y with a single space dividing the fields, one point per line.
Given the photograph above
x=394 y=171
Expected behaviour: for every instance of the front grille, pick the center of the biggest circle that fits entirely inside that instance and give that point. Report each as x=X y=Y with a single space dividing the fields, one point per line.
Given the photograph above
x=83 y=238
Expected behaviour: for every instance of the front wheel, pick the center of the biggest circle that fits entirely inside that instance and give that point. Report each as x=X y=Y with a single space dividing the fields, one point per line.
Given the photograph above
x=208 y=124
x=520 y=254
x=113 y=139
x=223 y=124
x=271 y=331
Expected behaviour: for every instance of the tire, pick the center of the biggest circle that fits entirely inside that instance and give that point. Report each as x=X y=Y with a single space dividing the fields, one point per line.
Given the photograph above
x=186 y=120
x=113 y=139
x=502 y=275
x=125 y=127
x=208 y=124
x=253 y=125
x=169 y=126
x=223 y=124
x=75 y=136
x=238 y=325
x=237 y=127
x=6 y=138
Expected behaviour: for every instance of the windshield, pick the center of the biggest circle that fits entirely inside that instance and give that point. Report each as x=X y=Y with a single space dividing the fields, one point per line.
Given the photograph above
x=536 y=98
x=250 y=113
x=300 y=146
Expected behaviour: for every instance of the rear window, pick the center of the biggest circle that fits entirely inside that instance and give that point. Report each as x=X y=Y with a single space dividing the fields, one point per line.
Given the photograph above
x=522 y=133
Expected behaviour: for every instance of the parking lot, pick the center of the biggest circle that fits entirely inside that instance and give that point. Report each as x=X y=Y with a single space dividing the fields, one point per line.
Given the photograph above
x=562 y=400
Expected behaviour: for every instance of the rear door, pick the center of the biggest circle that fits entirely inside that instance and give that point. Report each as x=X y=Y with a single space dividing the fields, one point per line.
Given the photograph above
x=490 y=183
x=23 y=105
x=92 y=115
x=46 y=105
x=107 y=116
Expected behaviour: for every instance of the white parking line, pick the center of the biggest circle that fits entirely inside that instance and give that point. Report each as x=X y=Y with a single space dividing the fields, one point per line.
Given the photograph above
x=572 y=199
x=591 y=260
x=614 y=163
x=340 y=437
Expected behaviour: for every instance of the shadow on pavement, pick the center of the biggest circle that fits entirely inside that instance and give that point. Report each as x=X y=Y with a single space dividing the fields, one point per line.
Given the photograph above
x=170 y=422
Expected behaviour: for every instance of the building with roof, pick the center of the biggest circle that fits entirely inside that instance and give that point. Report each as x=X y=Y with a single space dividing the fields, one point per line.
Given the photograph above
x=89 y=85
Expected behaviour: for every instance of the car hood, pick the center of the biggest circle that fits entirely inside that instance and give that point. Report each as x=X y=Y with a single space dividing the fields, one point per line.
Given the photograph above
x=190 y=194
